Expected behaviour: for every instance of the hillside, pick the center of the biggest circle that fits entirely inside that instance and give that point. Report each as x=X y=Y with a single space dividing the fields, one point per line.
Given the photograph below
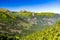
x=24 y=23
x=52 y=33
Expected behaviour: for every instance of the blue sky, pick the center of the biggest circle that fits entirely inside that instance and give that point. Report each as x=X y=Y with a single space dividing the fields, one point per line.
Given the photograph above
x=31 y=5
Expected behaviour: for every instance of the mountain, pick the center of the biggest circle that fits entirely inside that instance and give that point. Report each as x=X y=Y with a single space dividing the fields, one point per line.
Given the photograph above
x=25 y=22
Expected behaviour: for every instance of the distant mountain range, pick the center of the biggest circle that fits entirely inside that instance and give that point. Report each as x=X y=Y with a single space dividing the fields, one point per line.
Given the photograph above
x=25 y=22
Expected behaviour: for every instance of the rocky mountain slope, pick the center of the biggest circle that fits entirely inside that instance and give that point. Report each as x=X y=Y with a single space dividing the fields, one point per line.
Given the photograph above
x=25 y=22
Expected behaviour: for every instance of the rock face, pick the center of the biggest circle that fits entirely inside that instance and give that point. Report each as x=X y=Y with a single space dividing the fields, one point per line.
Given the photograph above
x=43 y=20
x=33 y=19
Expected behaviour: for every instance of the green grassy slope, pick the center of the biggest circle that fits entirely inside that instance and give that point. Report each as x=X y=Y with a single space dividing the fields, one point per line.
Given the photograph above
x=52 y=33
